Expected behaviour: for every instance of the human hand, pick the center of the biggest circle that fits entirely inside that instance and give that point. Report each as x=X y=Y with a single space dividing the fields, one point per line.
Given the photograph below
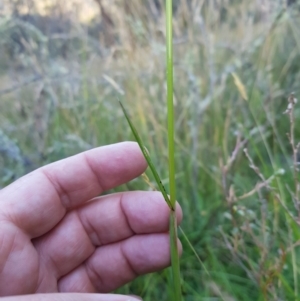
x=57 y=236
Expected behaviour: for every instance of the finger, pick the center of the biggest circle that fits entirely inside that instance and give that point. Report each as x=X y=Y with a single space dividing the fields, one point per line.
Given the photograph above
x=38 y=201
x=114 y=265
x=124 y=215
x=71 y=297
x=106 y=220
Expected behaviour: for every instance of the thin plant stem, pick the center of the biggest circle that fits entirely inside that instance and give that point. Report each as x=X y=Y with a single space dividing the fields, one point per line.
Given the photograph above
x=171 y=201
x=171 y=148
x=171 y=144
x=175 y=257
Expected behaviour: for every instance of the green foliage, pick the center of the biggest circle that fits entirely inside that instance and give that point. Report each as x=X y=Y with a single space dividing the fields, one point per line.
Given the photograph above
x=241 y=220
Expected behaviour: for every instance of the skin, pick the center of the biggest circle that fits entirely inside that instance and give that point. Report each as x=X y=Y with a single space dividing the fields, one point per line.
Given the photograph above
x=58 y=236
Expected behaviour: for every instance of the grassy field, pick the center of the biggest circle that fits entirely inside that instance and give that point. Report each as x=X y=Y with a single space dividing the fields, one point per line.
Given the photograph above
x=236 y=64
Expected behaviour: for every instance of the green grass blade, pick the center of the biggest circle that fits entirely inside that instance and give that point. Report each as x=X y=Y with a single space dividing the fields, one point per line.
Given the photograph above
x=194 y=251
x=148 y=159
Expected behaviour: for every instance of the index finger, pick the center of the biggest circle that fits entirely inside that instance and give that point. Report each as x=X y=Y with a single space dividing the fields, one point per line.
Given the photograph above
x=37 y=202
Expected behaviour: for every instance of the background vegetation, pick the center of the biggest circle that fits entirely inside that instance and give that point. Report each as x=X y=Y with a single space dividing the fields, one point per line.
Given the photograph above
x=63 y=68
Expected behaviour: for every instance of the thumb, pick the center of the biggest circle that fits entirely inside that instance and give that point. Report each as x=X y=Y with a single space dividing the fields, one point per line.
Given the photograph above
x=71 y=297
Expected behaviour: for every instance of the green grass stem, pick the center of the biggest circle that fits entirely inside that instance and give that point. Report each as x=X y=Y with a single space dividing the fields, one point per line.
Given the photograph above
x=177 y=296
x=171 y=144
x=171 y=148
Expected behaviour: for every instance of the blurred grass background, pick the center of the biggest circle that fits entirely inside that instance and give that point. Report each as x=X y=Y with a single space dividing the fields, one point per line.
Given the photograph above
x=64 y=65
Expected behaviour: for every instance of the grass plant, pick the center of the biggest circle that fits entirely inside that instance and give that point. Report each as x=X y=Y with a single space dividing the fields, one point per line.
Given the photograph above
x=171 y=151
x=170 y=200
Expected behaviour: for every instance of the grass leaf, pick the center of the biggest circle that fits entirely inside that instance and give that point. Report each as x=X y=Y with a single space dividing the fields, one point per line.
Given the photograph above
x=147 y=157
